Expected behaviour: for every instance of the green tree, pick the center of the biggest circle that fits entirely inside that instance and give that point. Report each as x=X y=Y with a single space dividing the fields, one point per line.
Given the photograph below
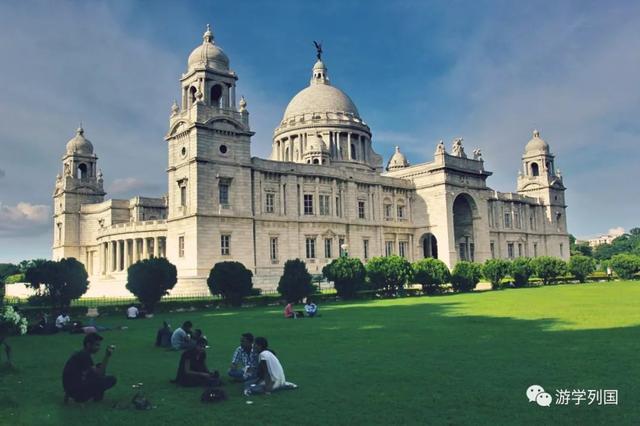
x=581 y=267
x=389 y=273
x=59 y=282
x=583 y=249
x=295 y=282
x=348 y=275
x=495 y=270
x=548 y=268
x=431 y=274
x=231 y=280
x=520 y=271
x=151 y=279
x=625 y=265
x=465 y=276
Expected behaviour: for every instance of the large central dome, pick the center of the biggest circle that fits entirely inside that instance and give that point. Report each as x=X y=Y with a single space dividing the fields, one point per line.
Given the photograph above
x=320 y=97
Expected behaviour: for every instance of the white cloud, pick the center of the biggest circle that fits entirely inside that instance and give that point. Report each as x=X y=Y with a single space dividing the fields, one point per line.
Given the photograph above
x=24 y=219
x=616 y=231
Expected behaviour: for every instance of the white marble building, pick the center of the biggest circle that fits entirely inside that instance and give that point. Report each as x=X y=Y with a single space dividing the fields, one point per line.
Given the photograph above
x=323 y=188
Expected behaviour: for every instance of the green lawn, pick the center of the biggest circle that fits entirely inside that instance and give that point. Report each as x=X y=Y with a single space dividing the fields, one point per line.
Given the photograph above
x=458 y=359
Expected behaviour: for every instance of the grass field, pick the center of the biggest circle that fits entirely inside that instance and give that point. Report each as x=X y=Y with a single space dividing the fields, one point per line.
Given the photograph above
x=459 y=359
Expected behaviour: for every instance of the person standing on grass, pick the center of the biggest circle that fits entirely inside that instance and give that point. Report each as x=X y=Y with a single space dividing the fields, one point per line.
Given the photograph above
x=244 y=362
x=82 y=380
x=181 y=337
x=192 y=369
x=270 y=372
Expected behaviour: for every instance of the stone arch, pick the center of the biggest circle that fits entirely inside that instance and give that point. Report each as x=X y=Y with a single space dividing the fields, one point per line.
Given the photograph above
x=535 y=169
x=464 y=211
x=192 y=95
x=216 y=95
x=83 y=171
x=429 y=244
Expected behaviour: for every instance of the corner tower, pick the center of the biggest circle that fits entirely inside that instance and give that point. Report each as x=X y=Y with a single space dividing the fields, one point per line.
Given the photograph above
x=209 y=160
x=80 y=183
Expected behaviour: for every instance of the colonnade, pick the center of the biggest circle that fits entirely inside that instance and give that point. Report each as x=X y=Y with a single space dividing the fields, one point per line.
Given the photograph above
x=118 y=255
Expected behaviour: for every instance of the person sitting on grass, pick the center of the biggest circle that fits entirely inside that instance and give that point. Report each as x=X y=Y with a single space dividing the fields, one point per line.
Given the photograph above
x=192 y=369
x=82 y=380
x=290 y=313
x=310 y=308
x=63 y=322
x=133 y=312
x=244 y=362
x=181 y=337
x=270 y=372
x=163 y=337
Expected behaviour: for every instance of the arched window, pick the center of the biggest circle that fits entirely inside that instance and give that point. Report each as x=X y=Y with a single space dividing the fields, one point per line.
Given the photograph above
x=192 y=95
x=286 y=154
x=83 y=171
x=535 y=169
x=316 y=161
x=216 y=95
x=353 y=152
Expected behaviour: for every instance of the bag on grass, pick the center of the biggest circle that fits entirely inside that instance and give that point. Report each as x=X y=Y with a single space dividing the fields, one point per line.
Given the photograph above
x=213 y=395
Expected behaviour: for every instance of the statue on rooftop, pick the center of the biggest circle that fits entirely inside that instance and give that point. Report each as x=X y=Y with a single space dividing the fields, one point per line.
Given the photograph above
x=318 y=50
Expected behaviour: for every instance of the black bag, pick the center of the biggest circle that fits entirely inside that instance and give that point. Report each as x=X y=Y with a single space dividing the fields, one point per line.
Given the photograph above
x=213 y=395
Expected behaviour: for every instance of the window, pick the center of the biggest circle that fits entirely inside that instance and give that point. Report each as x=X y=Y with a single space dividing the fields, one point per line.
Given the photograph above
x=387 y=211
x=516 y=219
x=402 y=248
x=223 y=193
x=270 y=202
x=400 y=212
x=365 y=249
x=535 y=249
x=462 y=248
x=519 y=250
x=225 y=245
x=388 y=248
x=361 y=209
x=311 y=248
x=338 y=207
x=561 y=250
x=510 y=250
x=181 y=246
x=535 y=170
x=353 y=152
x=59 y=225
x=273 y=248
x=324 y=205
x=340 y=244
x=328 y=242
x=531 y=223
x=183 y=195
x=308 y=204
x=492 y=247
x=507 y=219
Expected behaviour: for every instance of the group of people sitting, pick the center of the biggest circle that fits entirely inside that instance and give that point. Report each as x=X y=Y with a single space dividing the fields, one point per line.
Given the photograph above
x=62 y=323
x=310 y=310
x=253 y=363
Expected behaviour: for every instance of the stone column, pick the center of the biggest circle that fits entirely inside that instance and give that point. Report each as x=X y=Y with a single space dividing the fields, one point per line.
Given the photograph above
x=349 y=145
x=125 y=246
x=233 y=97
x=145 y=248
x=117 y=253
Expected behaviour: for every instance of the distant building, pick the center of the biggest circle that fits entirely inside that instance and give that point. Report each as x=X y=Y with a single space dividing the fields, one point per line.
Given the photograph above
x=323 y=191
x=602 y=239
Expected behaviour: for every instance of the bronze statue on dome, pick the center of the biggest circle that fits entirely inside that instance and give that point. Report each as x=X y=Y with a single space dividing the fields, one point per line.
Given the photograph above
x=318 y=50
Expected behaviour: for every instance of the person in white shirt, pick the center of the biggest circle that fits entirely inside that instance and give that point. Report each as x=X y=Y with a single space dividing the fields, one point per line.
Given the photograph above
x=132 y=312
x=270 y=372
x=63 y=321
x=181 y=337
x=310 y=308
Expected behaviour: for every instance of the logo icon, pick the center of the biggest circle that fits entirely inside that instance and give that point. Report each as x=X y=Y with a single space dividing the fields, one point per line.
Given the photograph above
x=544 y=399
x=533 y=391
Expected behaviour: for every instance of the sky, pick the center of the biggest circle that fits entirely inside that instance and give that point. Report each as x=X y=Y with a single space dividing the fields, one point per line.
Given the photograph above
x=418 y=71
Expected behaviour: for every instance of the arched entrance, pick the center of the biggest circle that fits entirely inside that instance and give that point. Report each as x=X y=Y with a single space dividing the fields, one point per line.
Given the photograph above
x=463 y=209
x=429 y=246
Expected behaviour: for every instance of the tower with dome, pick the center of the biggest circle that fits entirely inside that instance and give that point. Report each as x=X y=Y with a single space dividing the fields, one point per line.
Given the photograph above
x=323 y=191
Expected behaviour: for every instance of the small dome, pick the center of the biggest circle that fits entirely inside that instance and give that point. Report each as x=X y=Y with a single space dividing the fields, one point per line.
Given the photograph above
x=536 y=144
x=79 y=144
x=208 y=54
x=397 y=161
x=316 y=145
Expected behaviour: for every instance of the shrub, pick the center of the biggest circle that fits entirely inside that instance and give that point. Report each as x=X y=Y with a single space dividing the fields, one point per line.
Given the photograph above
x=388 y=273
x=295 y=282
x=625 y=265
x=548 y=268
x=58 y=282
x=581 y=267
x=465 y=276
x=347 y=274
x=520 y=271
x=231 y=280
x=431 y=274
x=495 y=270
x=150 y=279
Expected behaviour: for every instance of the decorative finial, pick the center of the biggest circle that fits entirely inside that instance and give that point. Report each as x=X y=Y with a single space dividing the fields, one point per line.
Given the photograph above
x=174 y=107
x=318 y=50
x=397 y=148
x=208 y=35
x=80 y=130
x=536 y=134
x=243 y=103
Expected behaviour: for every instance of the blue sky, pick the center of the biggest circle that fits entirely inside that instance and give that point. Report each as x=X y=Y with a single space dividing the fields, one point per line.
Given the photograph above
x=418 y=71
